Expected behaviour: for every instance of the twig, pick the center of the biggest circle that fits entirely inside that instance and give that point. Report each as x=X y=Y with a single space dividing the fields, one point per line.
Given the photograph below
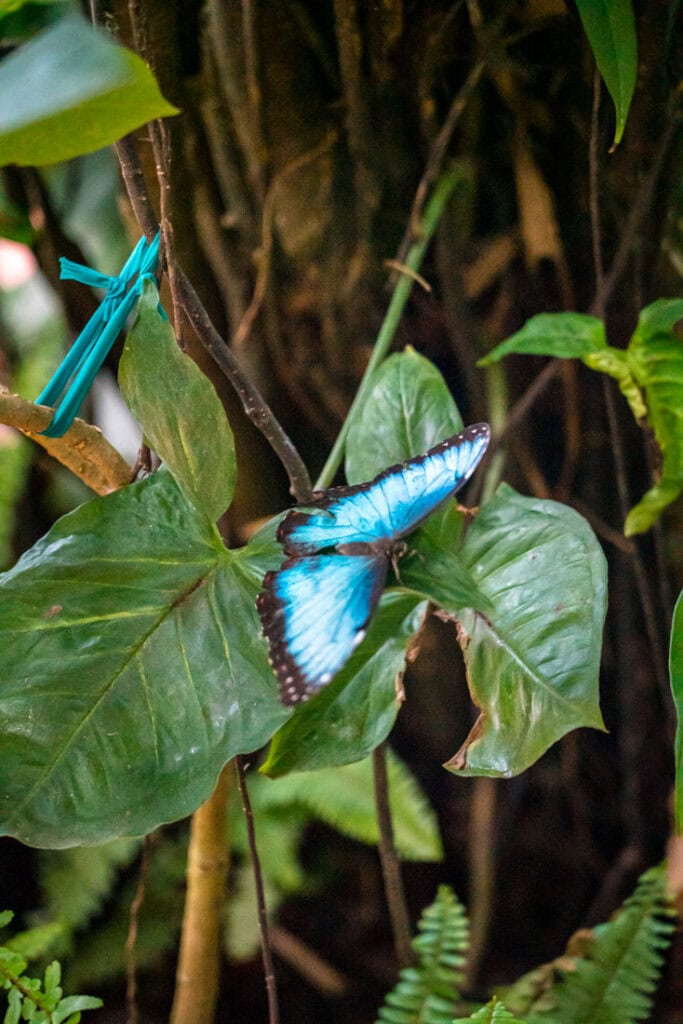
x=132 y=937
x=594 y=197
x=357 y=120
x=638 y=211
x=254 y=405
x=308 y=963
x=437 y=156
x=246 y=323
x=136 y=186
x=391 y=870
x=266 y=952
x=207 y=864
x=83 y=449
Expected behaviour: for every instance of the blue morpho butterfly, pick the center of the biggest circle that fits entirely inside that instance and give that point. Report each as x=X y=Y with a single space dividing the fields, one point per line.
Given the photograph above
x=316 y=607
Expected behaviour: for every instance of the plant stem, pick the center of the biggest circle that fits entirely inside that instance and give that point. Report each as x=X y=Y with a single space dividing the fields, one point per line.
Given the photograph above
x=207 y=862
x=131 y=939
x=435 y=208
x=266 y=952
x=391 y=870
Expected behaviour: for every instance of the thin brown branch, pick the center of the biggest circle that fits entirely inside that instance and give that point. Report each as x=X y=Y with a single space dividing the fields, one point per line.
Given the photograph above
x=246 y=323
x=638 y=212
x=254 y=405
x=437 y=156
x=482 y=872
x=594 y=196
x=136 y=186
x=207 y=865
x=320 y=974
x=83 y=449
x=266 y=951
x=132 y=937
x=391 y=869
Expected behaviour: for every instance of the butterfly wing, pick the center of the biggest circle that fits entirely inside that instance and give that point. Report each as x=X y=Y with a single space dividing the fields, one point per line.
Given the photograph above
x=390 y=506
x=314 y=612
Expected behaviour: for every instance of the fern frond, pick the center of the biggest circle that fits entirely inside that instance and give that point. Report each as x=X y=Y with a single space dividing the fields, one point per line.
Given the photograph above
x=426 y=994
x=344 y=798
x=611 y=977
x=495 y=1012
x=76 y=882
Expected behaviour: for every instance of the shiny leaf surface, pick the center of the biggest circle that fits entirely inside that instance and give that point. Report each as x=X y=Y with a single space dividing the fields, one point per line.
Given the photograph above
x=86 y=92
x=178 y=409
x=133 y=668
x=532 y=665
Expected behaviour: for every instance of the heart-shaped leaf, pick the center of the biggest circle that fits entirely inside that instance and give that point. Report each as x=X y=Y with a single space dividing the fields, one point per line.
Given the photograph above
x=408 y=410
x=532 y=666
x=178 y=409
x=133 y=668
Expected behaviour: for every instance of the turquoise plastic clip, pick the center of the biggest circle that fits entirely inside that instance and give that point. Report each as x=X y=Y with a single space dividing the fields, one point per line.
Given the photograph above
x=81 y=364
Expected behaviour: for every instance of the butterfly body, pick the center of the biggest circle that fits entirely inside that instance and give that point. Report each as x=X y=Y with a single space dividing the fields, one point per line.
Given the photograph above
x=316 y=606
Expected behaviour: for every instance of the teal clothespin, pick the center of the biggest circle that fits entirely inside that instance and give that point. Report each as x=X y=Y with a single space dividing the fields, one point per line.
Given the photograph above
x=81 y=364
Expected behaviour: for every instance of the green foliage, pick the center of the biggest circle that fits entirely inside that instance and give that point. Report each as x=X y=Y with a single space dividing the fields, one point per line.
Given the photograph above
x=495 y=1012
x=649 y=373
x=130 y=640
x=612 y=978
x=408 y=409
x=355 y=712
x=77 y=882
x=563 y=335
x=533 y=664
x=344 y=798
x=86 y=92
x=178 y=409
x=30 y=999
x=426 y=993
x=611 y=30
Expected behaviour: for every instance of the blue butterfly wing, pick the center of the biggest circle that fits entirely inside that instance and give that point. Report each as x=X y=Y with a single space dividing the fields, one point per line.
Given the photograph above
x=391 y=505
x=314 y=612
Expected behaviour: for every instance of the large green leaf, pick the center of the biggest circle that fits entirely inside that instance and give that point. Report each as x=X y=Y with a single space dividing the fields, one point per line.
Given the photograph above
x=408 y=410
x=71 y=90
x=178 y=409
x=655 y=356
x=676 y=672
x=133 y=668
x=532 y=666
x=355 y=712
x=611 y=30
